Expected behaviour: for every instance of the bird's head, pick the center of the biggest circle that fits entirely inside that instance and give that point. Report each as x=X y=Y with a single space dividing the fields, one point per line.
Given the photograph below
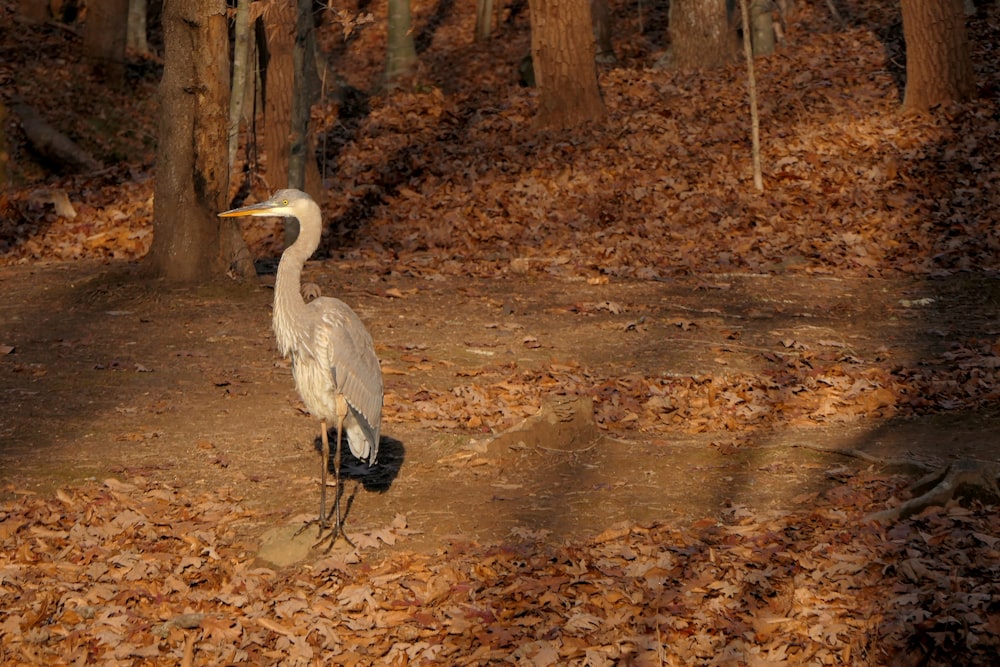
x=284 y=203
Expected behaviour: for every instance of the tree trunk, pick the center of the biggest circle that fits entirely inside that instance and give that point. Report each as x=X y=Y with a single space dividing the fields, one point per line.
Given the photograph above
x=938 y=65
x=104 y=37
x=600 y=14
x=287 y=74
x=401 y=50
x=278 y=87
x=702 y=33
x=303 y=173
x=241 y=61
x=36 y=11
x=562 y=54
x=762 y=27
x=136 y=39
x=4 y=155
x=190 y=243
x=484 y=20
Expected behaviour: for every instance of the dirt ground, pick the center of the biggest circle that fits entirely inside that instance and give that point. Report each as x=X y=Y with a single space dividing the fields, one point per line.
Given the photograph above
x=113 y=377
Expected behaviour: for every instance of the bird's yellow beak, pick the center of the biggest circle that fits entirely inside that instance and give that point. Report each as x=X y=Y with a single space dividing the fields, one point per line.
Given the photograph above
x=263 y=208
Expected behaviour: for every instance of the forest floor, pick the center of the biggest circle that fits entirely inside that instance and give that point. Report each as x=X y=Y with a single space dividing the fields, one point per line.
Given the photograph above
x=635 y=412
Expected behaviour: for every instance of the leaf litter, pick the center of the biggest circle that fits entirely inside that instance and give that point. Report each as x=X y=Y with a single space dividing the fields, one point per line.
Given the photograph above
x=140 y=573
x=455 y=184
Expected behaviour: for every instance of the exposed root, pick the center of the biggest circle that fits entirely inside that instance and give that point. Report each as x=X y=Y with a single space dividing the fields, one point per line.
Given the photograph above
x=966 y=479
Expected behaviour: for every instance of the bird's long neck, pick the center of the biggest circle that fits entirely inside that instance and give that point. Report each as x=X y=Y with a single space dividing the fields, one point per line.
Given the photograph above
x=289 y=306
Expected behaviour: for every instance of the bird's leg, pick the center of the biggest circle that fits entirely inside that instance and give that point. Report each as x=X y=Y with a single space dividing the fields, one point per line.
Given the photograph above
x=338 y=529
x=325 y=455
x=341 y=416
x=322 y=475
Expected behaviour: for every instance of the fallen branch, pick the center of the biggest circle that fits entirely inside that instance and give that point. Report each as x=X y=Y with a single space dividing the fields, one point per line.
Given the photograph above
x=51 y=144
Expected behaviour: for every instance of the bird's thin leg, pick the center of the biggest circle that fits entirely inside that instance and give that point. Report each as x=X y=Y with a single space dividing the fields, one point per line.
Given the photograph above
x=322 y=475
x=341 y=416
x=325 y=455
x=338 y=529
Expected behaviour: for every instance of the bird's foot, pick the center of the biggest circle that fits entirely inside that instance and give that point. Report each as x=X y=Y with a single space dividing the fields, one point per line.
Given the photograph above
x=330 y=538
x=327 y=535
x=311 y=522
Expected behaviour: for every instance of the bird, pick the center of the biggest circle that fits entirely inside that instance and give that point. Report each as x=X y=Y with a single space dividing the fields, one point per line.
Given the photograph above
x=334 y=364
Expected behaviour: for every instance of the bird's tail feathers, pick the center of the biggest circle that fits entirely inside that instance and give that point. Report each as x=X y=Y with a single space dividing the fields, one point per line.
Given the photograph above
x=362 y=437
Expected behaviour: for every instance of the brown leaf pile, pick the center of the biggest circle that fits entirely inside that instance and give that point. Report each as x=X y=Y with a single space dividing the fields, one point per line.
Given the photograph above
x=460 y=183
x=792 y=389
x=144 y=574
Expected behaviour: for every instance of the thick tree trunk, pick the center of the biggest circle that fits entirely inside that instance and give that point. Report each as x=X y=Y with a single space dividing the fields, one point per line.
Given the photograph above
x=190 y=243
x=401 y=50
x=303 y=173
x=285 y=79
x=136 y=41
x=104 y=38
x=4 y=155
x=562 y=53
x=600 y=15
x=938 y=65
x=484 y=20
x=762 y=27
x=702 y=33
x=278 y=87
x=36 y=11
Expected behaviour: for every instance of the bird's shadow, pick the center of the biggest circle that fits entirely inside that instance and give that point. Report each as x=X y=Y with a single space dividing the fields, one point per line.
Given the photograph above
x=376 y=478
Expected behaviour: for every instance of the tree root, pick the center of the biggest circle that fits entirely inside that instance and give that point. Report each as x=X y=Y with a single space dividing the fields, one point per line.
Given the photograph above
x=907 y=465
x=966 y=479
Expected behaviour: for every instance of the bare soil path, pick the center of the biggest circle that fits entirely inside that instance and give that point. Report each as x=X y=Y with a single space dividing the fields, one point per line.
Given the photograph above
x=111 y=377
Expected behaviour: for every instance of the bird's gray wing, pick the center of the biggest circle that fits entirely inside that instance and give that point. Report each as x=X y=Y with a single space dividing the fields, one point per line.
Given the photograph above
x=350 y=355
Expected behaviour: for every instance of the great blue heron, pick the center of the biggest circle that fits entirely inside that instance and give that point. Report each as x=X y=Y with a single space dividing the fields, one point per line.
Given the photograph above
x=333 y=359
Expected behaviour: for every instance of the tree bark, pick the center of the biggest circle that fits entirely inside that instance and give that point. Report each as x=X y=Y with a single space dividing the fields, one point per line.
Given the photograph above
x=136 y=37
x=484 y=20
x=562 y=54
x=938 y=64
x=4 y=155
x=303 y=173
x=288 y=94
x=600 y=15
x=762 y=27
x=36 y=11
x=104 y=38
x=702 y=33
x=278 y=87
x=190 y=243
x=241 y=60
x=401 y=50
x=758 y=177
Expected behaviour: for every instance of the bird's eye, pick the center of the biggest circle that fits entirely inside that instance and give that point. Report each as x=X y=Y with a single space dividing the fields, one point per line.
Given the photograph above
x=284 y=202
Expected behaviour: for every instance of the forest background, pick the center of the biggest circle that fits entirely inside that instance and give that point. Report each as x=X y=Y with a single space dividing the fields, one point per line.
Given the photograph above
x=639 y=411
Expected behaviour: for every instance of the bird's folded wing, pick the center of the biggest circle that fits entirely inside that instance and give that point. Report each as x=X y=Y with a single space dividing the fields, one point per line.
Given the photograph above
x=354 y=366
